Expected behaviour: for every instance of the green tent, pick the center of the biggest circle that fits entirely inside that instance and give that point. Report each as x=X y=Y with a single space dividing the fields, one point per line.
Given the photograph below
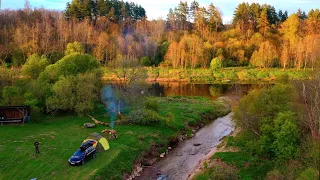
x=102 y=143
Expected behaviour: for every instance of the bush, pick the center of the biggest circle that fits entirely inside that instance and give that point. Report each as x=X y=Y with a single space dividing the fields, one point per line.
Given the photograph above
x=145 y=61
x=144 y=117
x=215 y=64
x=286 y=136
x=151 y=104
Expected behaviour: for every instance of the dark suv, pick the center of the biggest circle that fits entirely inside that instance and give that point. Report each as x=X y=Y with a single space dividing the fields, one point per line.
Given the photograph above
x=86 y=152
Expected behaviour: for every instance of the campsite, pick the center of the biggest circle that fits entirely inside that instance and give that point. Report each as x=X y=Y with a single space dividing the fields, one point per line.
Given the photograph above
x=60 y=136
x=157 y=90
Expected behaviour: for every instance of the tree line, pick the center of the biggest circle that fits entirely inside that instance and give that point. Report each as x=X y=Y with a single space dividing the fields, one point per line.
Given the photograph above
x=192 y=36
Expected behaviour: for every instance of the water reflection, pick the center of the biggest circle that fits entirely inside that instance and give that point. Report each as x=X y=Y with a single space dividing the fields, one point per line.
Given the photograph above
x=211 y=91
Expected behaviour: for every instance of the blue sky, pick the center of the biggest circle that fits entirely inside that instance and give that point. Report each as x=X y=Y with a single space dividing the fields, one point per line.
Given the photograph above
x=159 y=8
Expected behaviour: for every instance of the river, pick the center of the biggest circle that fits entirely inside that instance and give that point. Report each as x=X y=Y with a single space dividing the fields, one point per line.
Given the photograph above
x=181 y=161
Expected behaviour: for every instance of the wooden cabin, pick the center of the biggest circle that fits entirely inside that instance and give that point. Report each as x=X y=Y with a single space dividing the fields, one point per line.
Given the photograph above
x=14 y=114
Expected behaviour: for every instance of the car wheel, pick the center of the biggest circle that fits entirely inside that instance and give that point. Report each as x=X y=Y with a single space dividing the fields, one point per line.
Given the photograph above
x=82 y=162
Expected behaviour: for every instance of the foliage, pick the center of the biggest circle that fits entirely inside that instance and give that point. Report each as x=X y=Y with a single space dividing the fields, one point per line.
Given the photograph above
x=263 y=104
x=9 y=93
x=71 y=65
x=265 y=57
x=115 y=10
x=144 y=117
x=18 y=58
x=215 y=64
x=286 y=136
x=152 y=104
x=75 y=93
x=145 y=61
x=34 y=66
x=74 y=48
x=71 y=84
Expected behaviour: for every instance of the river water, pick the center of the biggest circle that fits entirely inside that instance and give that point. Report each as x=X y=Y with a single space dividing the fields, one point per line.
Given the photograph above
x=182 y=160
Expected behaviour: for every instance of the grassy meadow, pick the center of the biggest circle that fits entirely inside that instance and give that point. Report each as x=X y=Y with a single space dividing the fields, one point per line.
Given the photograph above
x=60 y=137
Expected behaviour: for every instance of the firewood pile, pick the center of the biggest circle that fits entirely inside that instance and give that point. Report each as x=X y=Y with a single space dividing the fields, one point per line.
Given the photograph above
x=111 y=132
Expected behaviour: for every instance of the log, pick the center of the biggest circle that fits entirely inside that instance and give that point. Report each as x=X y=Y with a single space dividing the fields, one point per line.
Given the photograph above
x=97 y=121
x=108 y=124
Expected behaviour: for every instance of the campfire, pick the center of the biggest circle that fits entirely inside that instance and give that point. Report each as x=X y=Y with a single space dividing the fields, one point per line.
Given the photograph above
x=112 y=133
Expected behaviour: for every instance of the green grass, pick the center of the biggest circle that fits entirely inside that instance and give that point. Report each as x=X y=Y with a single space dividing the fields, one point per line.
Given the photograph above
x=249 y=167
x=206 y=75
x=191 y=110
x=59 y=138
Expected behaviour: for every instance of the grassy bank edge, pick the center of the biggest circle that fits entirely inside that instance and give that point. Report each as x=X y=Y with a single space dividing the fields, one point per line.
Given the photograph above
x=224 y=75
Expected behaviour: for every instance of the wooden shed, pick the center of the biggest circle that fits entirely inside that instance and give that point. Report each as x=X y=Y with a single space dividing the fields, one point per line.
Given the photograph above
x=14 y=114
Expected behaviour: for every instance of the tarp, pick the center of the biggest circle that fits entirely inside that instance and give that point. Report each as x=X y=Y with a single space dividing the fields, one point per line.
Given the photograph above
x=102 y=143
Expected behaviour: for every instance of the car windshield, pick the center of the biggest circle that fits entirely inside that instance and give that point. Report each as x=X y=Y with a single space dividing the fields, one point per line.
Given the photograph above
x=78 y=153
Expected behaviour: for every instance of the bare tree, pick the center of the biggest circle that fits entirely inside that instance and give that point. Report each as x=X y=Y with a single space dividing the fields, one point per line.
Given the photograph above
x=310 y=97
x=131 y=77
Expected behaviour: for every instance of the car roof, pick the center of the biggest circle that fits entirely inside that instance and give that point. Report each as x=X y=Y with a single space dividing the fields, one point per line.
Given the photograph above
x=78 y=152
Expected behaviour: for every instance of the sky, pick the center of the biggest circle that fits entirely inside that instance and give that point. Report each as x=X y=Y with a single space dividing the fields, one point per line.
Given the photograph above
x=160 y=8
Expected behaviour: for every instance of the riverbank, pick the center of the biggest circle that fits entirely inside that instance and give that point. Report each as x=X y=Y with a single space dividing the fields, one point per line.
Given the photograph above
x=183 y=159
x=60 y=137
x=224 y=75
x=207 y=161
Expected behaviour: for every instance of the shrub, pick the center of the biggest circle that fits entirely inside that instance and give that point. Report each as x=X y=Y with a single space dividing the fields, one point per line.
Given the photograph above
x=151 y=104
x=145 y=61
x=286 y=136
x=215 y=64
x=144 y=117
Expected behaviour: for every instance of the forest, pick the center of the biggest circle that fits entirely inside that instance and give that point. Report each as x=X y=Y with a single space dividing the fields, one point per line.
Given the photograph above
x=191 y=37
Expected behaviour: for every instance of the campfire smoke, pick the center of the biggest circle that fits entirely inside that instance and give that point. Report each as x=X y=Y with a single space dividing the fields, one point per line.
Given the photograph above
x=112 y=104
